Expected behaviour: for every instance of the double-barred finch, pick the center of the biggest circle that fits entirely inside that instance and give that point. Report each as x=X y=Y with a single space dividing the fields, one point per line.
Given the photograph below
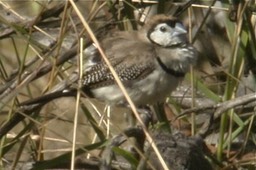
x=150 y=63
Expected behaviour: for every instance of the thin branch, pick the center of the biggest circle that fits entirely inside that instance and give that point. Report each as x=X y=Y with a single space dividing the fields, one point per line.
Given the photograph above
x=222 y=107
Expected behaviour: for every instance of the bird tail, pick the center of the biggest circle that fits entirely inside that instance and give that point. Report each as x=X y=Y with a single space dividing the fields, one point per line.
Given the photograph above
x=49 y=97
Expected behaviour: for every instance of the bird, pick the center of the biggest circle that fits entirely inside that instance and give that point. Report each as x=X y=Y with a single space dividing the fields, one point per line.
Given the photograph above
x=150 y=62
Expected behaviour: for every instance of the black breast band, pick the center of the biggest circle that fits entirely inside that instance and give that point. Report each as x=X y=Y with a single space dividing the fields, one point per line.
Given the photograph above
x=169 y=70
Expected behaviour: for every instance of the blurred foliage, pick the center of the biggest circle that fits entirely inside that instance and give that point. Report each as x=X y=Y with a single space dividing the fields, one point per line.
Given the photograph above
x=39 y=42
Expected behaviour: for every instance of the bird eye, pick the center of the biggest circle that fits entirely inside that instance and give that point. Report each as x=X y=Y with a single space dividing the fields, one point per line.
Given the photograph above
x=162 y=29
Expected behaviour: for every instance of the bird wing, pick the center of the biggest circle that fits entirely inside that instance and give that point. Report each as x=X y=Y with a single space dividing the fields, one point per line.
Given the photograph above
x=131 y=58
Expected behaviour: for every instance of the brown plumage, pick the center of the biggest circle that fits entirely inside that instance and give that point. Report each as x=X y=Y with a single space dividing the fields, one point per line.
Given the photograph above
x=150 y=62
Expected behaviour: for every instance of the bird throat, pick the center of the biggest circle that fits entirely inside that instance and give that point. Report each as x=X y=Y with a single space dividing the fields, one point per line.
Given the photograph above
x=169 y=70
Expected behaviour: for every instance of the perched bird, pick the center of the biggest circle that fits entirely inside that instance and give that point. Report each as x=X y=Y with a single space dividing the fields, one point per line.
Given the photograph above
x=150 y=63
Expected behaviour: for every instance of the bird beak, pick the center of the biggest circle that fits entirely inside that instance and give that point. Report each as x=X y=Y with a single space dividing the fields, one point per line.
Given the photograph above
x=179 y=29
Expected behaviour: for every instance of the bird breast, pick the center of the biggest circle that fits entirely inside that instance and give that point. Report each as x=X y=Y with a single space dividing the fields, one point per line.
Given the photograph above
x=153 y=88
x=179 y=58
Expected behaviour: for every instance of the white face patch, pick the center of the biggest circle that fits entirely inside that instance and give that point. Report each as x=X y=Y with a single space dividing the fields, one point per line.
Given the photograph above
x=165 y=35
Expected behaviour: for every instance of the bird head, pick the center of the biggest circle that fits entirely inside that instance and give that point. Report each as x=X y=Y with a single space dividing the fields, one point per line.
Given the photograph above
x=166 y=31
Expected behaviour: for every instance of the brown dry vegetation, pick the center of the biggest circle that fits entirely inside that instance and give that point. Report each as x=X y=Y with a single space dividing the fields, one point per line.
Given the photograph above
x=39 y=47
